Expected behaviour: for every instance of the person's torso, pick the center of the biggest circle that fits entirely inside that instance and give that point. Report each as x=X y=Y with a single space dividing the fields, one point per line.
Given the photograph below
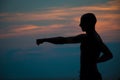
x=90 y=52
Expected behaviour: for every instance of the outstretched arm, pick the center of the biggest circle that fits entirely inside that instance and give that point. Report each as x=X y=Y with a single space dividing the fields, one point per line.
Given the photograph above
x=59 y=40
x=54 y=40
x=107 y=55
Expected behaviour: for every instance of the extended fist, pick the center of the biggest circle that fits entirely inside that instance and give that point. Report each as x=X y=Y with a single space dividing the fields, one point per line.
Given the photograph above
x=39 y=41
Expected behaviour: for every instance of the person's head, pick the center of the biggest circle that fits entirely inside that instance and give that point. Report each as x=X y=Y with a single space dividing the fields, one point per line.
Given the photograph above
x=88 y=22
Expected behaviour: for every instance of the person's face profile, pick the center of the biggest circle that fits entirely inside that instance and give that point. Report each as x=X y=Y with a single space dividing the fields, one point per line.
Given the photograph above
x=82 y=26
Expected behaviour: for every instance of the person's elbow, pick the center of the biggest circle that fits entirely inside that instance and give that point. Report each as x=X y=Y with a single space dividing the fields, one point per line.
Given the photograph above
x=111 y=56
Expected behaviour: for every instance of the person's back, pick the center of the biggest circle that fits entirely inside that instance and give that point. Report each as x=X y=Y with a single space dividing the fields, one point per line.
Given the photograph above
x=90 y=52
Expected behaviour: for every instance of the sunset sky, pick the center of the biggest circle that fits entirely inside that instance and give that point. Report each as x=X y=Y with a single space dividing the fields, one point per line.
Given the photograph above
x=24 y=21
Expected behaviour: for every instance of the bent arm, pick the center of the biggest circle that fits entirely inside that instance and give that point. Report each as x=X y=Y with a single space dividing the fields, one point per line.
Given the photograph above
x=107 y=55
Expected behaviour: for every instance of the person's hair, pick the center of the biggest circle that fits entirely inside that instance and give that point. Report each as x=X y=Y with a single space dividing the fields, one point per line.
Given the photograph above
x=88 y=19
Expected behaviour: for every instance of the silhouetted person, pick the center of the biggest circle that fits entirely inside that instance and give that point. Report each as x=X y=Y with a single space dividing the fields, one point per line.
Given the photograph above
x=91 y=47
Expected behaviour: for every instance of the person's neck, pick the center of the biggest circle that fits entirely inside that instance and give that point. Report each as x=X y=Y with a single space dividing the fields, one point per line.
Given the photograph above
x=91 y=31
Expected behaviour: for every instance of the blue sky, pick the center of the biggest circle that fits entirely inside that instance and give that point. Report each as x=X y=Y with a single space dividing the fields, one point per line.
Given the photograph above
x=23 y=21
x=30 y=5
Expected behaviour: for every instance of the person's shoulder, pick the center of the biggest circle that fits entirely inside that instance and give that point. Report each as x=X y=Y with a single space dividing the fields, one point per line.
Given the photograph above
x=81 y=35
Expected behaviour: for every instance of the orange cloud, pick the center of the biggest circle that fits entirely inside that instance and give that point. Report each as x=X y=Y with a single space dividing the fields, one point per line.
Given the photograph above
x=107 y=14
x=23 y=30
x=51 y=15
